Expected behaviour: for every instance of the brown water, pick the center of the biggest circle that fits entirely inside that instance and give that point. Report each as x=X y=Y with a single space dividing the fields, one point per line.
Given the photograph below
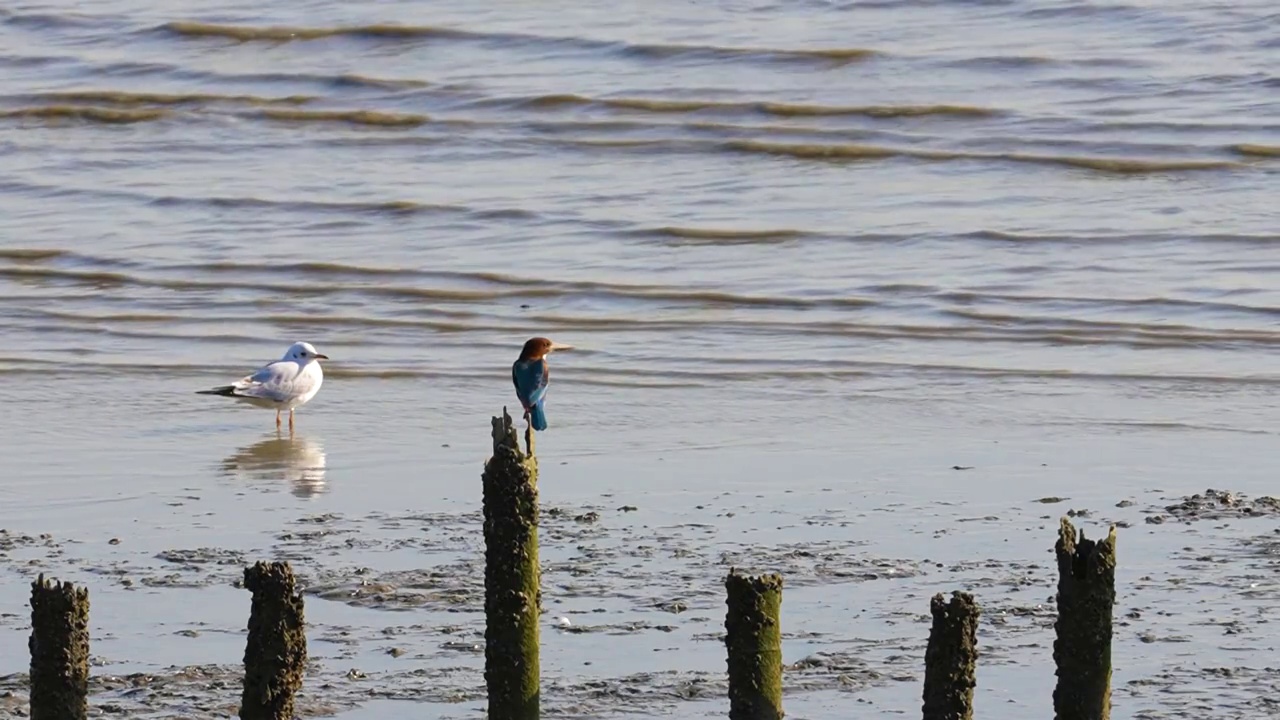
x=813 y=255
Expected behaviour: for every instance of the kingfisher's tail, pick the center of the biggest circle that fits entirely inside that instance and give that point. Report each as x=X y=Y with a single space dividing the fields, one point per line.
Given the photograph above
x=538 y=417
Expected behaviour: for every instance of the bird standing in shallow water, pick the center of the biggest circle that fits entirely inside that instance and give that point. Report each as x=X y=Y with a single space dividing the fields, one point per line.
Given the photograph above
x=283 y=385
x=531 y=375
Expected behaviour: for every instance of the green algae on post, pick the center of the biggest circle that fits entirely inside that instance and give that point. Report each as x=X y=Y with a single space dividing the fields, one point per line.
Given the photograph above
x=951 y=658
x=754 y=641
x=1082 y=650
x=59 y=651
x=275 y=656
x=512 y=584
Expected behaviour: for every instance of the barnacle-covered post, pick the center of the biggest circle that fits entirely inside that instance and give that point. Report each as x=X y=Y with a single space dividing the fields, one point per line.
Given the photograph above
x=951 y=657
x=753 y=636
x=59 y=651
x=275 y=655
x=512 y=584
x=1086 y=600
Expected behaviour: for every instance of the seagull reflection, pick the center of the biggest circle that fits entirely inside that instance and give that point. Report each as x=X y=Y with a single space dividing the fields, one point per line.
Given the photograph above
x=293 y=459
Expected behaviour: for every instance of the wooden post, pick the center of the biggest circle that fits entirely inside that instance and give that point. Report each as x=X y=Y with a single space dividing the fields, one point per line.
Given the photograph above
x=1082 y=650
x=512 y=583
x=754 y=642
x=950 y=660
x=59 y=651
x=275 y=655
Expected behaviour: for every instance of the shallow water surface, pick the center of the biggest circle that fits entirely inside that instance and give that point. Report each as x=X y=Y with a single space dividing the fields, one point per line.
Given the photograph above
x=853 y=284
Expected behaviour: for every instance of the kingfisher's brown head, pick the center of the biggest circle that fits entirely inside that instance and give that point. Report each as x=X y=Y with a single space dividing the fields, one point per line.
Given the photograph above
x=538 y=348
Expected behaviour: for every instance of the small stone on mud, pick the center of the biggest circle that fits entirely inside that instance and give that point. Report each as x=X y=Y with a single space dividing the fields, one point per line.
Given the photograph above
x=113 y=541
x=628 y=508
x=1050 y=500
x=961 y=467
x=354 y=674
x=396 y=652
x=587 y=517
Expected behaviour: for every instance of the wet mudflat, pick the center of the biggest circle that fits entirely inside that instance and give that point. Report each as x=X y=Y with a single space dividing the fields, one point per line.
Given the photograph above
x=634 y=606
x=868 y=293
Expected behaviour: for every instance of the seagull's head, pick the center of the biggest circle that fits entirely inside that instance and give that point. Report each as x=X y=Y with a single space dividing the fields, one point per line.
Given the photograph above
x=303 y=352
x=539 y=347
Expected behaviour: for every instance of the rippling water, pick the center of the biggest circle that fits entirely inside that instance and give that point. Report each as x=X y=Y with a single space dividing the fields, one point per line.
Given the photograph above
x=892 y=226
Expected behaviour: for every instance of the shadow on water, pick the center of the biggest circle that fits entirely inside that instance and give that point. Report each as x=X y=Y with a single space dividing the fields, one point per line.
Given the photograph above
x=290 y=458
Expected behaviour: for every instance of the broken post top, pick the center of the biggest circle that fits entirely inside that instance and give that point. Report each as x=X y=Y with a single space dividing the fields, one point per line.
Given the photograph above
x=273 y=577
x=504 y=434
x=43 y=588
x=1082 y=555
x=960 y=602
x=766 y=582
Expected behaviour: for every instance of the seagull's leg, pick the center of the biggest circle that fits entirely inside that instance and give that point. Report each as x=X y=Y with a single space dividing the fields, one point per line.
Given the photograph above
x=277 y=419
x=290 y=419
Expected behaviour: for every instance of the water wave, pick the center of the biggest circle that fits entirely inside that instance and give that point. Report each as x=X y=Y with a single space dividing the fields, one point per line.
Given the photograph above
x=130 y=112
x=31 y=254
x=129 y=99
x=720 y=236
x=826 y=56
x=1124 y=166
x=1254 y=150
x=54 y=20
x=1003 y=62
x=776 y=109
x=1038 y=319
x=368 y=81
x=970 y=297
x=660 y=51
x=86 y=113
x=391 y=207
x=250 y=33
x=352 y=117
x=510 y=287
x=394 y=208
x=179 y=71
x=1119 y=238
x=706 y=376
x=984 y=325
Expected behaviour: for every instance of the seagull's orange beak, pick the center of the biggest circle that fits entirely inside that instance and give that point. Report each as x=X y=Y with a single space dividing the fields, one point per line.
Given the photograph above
x=321 y=357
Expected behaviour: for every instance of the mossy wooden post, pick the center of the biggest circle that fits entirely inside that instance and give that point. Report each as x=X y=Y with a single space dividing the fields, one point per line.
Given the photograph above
x=950 y=660
x=1082 y=650
x=754 y=640
x=59 y=651
x=275 y=655
x=512 y=586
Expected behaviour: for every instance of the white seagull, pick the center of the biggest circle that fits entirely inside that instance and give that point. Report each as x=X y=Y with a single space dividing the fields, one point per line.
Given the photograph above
x=283 y=385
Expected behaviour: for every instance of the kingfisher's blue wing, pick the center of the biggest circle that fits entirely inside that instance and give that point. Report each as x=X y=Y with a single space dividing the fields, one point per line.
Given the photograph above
x=531 y=379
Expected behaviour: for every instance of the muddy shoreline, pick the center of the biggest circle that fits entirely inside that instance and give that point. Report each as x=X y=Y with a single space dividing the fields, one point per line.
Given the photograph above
x=612 y=575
